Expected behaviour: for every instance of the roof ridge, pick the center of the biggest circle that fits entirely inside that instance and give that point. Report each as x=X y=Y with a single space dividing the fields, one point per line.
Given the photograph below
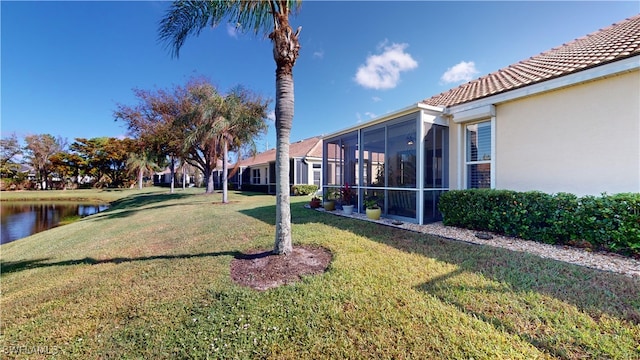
x=588 y=36
x=611 y=43
x=314 y=147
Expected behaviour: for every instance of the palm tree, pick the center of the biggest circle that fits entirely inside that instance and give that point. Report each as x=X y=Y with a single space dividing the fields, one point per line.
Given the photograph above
x=226 y=123
x=141 y=163
x=243 y=118
x=188 y=18
x=200 y=121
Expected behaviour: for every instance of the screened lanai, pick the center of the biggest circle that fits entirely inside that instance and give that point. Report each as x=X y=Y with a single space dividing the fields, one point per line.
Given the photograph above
x=400 y=161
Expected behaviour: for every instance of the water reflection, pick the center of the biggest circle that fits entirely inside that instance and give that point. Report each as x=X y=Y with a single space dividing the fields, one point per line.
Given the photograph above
x=19 y=219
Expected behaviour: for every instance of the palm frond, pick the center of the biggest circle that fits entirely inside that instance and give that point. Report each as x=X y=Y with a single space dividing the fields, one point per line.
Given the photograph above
x=189 y=17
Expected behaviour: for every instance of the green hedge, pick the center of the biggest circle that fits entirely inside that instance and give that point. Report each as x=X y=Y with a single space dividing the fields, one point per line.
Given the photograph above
x=607 y=222
x=298 y=190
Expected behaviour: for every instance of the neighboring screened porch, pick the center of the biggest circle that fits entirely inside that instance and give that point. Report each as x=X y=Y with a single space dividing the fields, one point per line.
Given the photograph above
x=402 y=163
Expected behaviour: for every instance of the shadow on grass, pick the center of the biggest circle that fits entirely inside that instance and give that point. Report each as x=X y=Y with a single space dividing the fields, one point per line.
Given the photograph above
x=134 y=203
x=16 y=266
x=251 y=193
x=593 y=291
x=139 y=200
x=447 y=293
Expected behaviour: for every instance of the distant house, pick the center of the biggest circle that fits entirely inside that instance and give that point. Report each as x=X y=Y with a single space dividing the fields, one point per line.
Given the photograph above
x=566 y=120
x=187 y=176
x=258 y=173
x=28 y=170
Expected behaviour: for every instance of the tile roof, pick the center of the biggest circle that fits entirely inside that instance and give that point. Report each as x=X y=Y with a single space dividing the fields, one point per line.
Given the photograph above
x=613 y=43
x=311 y=147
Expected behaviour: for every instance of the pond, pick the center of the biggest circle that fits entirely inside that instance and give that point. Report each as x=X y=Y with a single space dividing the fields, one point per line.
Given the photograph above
x=21 y=219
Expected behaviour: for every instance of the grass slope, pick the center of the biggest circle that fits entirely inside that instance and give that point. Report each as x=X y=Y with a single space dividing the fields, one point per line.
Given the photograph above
x=149 y=278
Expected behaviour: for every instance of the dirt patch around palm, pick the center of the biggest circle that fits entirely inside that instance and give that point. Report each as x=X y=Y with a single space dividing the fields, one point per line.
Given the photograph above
x=262 y=270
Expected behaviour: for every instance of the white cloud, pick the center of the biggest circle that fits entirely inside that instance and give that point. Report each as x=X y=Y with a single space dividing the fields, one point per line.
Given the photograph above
x=383 y=71
x=376 y=99
x=367 y=114
x=461 y=72
x=271 y=116
x=233 y=30
x=318 y=54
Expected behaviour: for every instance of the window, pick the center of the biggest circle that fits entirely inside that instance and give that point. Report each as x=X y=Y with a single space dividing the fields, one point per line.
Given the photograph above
x=373 y=146
x=436 y=156
x=317 y=173
x=478 y=155
x=255 y=176
x=341 y=159
x=332 y=159
x=302 y=172
x=401 y=155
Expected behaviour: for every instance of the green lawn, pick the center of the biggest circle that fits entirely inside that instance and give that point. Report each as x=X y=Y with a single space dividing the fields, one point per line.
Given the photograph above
x=149 y=278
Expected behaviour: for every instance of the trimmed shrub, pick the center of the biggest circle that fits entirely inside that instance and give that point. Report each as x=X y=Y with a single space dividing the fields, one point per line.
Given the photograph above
x=609 y=222
x=298 y=190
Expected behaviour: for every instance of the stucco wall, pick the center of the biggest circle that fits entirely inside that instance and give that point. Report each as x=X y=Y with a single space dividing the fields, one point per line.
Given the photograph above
x=584 y=139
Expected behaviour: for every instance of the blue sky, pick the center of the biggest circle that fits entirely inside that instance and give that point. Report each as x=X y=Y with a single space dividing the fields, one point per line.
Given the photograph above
x=66 y=65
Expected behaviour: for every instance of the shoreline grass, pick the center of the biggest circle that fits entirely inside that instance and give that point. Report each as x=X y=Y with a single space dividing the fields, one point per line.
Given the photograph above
x=149 y=278
x=88 y=195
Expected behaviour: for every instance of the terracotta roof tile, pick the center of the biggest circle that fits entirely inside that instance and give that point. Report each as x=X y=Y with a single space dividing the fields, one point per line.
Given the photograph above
x=302 y=148
x=613 y=43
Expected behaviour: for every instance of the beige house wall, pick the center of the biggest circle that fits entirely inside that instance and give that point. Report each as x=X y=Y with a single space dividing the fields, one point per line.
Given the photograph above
x=584 y=139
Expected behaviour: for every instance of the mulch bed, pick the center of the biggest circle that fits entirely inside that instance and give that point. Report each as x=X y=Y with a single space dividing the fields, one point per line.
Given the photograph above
x=262 y=270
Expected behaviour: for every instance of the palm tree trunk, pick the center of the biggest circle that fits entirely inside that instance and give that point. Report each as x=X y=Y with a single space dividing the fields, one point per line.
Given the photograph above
x=183 y=177
x=140 y=177
x=210 y=183
x=173 y=173
x=225 y=154
x=206 y=173
x=284 y=121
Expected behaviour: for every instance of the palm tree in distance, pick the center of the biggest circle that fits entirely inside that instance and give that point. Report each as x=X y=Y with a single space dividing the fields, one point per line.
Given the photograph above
x=141 y=163
x=226 y=123
x=242 y=120
x=189 y=18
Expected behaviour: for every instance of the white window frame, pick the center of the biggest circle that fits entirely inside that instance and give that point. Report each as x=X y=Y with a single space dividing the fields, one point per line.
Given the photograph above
x=491 y=121
x=255 y=177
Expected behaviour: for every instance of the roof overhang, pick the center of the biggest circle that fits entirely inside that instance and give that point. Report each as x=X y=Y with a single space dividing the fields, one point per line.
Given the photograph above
x=432 y=110
x=468 y=111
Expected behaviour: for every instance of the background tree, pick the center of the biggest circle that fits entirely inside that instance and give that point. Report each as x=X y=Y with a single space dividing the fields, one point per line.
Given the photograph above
x=141 y=163
x=38 y=150
x=244 y=120
x=88 y=151
x=10 y=149
x=68 y=166
x=160 y=122
x=201 y=144
x=105 y=159
x=230 y=122
x=189 y=18
x=153 y=123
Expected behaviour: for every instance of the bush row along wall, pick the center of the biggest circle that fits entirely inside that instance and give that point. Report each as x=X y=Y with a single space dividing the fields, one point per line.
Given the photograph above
x=607 y=222
x=296 y=190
